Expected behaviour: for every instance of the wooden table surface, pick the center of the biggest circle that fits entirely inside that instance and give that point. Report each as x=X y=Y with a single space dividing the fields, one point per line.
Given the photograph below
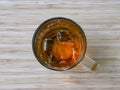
x=19 y=69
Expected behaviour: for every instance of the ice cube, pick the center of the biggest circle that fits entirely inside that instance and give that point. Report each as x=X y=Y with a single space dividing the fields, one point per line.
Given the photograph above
x=51 y=58
x=48 y=45
x=64 y=35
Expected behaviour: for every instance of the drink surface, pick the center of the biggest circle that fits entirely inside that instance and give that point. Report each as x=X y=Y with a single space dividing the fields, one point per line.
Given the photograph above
x=61 y=47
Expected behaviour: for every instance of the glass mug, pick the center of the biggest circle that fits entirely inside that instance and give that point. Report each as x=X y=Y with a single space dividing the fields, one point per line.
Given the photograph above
x=60 y=44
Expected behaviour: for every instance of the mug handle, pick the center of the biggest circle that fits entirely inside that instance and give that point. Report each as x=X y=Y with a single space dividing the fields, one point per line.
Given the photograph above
x=89 y=64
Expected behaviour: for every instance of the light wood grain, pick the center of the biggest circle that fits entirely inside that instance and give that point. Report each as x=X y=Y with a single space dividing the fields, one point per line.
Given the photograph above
x=19 y=70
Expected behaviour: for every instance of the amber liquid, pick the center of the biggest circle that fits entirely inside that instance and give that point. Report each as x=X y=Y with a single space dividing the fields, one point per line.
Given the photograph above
x=59 y=44
x=61 y=47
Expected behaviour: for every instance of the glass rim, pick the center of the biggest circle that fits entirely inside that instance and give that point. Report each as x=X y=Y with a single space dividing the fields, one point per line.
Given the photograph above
x=38 y=29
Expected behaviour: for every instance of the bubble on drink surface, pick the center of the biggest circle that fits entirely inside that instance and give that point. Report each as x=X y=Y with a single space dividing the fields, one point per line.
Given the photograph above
x=59 y=36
